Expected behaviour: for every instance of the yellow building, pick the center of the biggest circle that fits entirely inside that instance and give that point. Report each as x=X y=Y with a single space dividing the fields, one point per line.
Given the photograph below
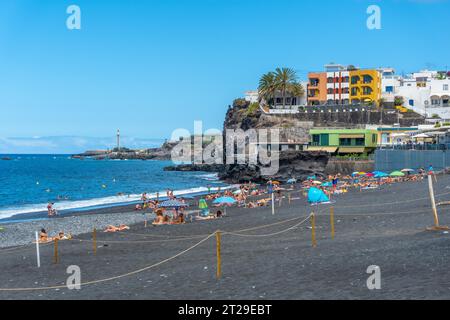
x=365 y=86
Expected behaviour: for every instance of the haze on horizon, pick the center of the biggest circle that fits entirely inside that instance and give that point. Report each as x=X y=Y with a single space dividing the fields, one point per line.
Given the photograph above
x=155 y=66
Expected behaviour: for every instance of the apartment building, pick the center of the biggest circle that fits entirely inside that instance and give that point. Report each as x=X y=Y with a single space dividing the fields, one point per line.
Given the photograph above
x=338 y=85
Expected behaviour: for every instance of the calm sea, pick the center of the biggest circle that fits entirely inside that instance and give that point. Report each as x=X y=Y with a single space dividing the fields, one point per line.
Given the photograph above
x=29 y=182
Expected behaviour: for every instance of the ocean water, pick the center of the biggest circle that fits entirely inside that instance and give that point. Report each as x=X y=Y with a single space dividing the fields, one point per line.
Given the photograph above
x=29 y=182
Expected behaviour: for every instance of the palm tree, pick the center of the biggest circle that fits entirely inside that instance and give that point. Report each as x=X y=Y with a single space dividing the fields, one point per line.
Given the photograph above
x=284 y=81
x=284 y=78
x=267 y=87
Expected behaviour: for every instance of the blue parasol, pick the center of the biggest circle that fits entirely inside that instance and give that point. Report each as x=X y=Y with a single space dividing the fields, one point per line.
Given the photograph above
x=224 y=201
x=173 y=204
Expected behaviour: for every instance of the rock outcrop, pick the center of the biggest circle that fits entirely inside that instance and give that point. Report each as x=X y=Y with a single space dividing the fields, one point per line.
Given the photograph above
x=291 y=164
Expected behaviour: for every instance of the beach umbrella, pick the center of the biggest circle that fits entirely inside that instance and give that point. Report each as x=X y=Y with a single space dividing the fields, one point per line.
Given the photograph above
x=173 y=204
x=317 y=182
x=237 y=192
x=224 y=202
x=362 y=173
x=421 y=136
x=276 y=182
x=397 y=174
x=407 y=170
x=327 y=184
x=370 y=174
x=311 y=178
x=292 y=181
x=316 y=196
x=381 y=175
x=354 y=174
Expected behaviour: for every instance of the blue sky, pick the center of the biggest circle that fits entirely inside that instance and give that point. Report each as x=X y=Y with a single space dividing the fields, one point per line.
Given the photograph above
x=151 y=66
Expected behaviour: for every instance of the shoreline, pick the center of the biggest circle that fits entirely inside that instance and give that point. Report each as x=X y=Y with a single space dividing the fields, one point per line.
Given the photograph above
x=108 y=207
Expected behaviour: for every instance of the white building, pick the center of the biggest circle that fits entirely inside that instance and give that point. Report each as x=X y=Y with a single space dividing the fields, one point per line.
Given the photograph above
x=252 y=96
x=422 y=92
x=338 y=84
x=290 y=102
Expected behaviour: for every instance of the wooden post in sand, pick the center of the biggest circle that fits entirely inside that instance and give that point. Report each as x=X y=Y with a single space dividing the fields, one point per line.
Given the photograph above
x=219 y=258
x=94 y=241
x=55 y=255
x=313 y=230
x=289 y=197
x=436 y=227
x=332 y=222
x=433 y=202
x=38 y=255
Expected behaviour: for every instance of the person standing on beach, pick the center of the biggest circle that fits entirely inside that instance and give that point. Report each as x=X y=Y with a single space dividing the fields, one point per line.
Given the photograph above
x=430 y=170
x=51 y=212
x=144 y=200
x=270 y=187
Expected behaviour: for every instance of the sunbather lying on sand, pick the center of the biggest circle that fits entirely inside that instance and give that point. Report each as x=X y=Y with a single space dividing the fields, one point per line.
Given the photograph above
x=111 y=228
x=179 y=219
x=44 y=238
x=217 y=215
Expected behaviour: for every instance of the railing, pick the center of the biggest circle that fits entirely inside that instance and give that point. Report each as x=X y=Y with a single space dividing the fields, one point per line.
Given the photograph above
x=416 y=146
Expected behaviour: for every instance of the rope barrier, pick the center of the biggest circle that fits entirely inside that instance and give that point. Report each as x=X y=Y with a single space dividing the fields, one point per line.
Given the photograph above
x=269 y=234
x=115 y=277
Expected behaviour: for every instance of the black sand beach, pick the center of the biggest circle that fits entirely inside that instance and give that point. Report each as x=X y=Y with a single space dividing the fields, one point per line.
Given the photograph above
x=273 y=260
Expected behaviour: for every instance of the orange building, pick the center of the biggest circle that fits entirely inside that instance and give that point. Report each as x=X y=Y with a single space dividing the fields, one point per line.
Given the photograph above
x=339 y=86
x=317 y=88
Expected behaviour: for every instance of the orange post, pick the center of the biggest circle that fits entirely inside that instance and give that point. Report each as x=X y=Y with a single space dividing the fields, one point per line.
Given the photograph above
x=55 y=255
x=94 y=240
x=332 y=222
x=313 y=230
x=219 y=257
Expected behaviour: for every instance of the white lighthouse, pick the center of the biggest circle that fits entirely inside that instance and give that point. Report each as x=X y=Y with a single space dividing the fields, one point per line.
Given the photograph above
x=118 y=140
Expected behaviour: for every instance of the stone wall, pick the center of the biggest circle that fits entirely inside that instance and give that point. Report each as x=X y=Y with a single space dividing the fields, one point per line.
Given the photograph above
x=335 y=166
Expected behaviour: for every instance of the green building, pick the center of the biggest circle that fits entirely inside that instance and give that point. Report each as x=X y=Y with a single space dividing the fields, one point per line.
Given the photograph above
x=343 y=141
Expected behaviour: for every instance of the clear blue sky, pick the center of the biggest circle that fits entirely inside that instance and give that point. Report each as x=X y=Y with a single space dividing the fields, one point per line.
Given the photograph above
x=151 y=66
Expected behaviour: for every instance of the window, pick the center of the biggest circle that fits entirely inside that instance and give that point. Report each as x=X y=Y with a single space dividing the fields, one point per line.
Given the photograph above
x=411 y=102
x=367 y=79
x=390 y=89
x=359 y=142
x=279 y=101
x=367 y=90
x=330 y=91
x=445 y=87
x=316 y=140
x=330 y=80
x=374 y=138
x=294 y=101
x=345 y=142
x=435 y=102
